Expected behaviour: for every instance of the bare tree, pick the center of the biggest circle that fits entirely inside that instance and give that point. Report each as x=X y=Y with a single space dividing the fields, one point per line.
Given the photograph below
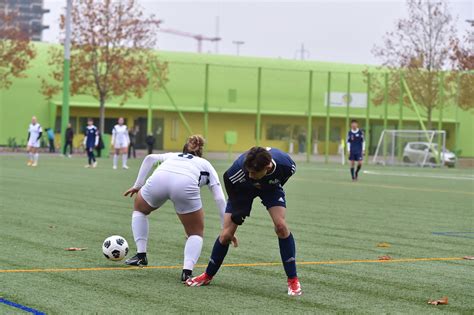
x=419 y=49
x=16 y=50
x=111 y=52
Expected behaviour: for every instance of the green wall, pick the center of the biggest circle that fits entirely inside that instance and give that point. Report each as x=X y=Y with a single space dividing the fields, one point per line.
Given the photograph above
x=232 y=89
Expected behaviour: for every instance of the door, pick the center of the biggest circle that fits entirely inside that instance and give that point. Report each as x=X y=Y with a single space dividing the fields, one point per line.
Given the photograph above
x=157 y=129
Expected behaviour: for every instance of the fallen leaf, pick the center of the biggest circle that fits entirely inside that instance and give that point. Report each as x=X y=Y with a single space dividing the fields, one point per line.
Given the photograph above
x=442 y=301
x=74 y=249
x=386 y=257
x=469 y=257
x=52 y=226
x=383 y=245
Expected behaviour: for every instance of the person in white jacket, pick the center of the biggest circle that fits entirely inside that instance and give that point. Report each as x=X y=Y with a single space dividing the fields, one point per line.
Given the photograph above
x=178 y=178
x=120 y=142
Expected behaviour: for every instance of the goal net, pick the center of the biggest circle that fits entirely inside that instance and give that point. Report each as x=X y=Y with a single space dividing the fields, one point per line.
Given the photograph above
x=411 y=147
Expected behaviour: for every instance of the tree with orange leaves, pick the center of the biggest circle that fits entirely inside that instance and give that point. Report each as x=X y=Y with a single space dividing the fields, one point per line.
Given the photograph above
x=16 y=50
x=111 y=52
x=463 y=61
x=419 y=49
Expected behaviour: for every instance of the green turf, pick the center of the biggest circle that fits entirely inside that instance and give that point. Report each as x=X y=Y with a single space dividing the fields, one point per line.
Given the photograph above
x=60 y=204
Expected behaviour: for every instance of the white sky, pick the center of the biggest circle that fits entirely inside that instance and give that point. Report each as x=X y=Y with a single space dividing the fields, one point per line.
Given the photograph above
x=340 y=31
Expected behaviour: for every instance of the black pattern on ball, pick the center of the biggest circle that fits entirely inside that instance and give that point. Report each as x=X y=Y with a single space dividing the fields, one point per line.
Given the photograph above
x=116 y=253
x=120 y=241
x=107 y=244
x=126 y=251
x=106 y=256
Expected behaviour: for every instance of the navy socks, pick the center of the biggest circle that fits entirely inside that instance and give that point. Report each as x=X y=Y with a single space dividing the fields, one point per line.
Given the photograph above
x=218 y=254
x=288 y=255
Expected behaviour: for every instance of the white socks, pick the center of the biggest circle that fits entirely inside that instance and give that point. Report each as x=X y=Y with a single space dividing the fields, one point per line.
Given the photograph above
x=192 y=251
x=124 y=159
x=30 y=156
x=36 y=155
x=140 y=230
x=115 y=160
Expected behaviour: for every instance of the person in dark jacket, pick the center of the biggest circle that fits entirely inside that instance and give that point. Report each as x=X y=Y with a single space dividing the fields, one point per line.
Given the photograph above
x=132 y=135
x=69 y=139
x=100 y=146
x=150 y=141
x=50 y=134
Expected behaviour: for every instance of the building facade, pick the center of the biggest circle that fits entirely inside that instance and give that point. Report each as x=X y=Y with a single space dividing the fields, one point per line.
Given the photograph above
x=29 y=16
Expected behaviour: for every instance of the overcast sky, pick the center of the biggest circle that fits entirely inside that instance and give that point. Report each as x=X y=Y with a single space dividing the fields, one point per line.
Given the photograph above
x=340 y=31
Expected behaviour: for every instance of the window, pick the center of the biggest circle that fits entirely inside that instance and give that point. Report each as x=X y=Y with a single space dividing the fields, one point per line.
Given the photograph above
x=109 y=124
x=334 y=134
x=57 y=124
x=278 y=132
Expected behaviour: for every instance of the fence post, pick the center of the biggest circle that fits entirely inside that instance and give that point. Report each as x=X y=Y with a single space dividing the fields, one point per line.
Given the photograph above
x=440 y=118
x=348 y=101
x=206 y=102
x=149 y=114
x=328 y=112
x=259 y=116
x=309 y=133
x=400 y=114
x=367 y=120
x=456 y=126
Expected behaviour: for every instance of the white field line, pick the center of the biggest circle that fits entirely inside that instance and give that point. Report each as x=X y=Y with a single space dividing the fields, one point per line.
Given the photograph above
x=418 y=175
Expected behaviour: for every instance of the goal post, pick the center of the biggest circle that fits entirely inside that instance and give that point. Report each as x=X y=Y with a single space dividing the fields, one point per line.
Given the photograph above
x=411 y=148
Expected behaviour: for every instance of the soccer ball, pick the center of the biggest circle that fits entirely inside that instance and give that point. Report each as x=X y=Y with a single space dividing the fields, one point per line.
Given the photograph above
x=115 y=248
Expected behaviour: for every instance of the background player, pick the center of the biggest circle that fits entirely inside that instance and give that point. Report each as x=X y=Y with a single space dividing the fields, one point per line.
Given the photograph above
x=120 y=142
x=355 y=148
x=260 y=173
x=91 y=140
x=178 y=179
x=34 y=135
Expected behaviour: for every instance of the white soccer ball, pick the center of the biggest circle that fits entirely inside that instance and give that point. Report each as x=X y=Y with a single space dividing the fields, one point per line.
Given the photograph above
x=115 y=248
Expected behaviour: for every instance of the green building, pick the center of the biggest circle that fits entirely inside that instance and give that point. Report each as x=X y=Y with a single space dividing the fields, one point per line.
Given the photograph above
x=272 y=100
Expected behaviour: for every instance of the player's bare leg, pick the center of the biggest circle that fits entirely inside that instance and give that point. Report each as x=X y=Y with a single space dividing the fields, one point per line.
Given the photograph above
x=287 y=249
x=139 y=228
x=115 y=160
x=193 y=224
x=30 y=155
x=219 y=251
x=35 y=155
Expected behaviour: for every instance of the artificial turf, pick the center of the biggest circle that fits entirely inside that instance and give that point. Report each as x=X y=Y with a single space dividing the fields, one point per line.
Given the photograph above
x=60 y=204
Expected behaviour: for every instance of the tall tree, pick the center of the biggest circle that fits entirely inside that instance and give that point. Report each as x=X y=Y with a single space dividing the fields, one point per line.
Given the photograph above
x=463 y=61
x=111 y=52
x=419 y=47
x=16 y=50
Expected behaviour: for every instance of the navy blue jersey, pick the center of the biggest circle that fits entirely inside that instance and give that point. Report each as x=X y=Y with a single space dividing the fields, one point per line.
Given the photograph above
x=91 y=137
x=355 y=141
x=285 y=167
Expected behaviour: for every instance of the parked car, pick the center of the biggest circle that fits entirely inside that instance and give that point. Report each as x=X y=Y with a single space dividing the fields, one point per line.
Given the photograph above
x=426 y=153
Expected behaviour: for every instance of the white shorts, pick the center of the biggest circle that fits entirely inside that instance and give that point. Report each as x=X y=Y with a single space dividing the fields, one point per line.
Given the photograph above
x=120 y=144
x=181 y=189
x=34 y=143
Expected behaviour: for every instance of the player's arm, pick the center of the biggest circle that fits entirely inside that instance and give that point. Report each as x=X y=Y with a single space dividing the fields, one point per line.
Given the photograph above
x=96 y=138
x=29 y=135
x=288 y=171
x=348 y=142
x=363 y=141
x=40 y=133
x=127 y=136
x=218 y=194
x=112 y=141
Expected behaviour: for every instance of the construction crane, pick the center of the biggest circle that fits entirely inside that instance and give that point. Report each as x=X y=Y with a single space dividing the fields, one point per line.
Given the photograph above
x=198 y=37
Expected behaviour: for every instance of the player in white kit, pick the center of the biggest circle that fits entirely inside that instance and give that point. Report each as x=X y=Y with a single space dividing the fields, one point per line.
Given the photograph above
x=34 y=135
x=120 y=142
x=178 y=178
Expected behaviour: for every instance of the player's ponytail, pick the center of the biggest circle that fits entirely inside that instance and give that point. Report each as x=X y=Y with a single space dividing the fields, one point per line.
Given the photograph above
x=194 y=145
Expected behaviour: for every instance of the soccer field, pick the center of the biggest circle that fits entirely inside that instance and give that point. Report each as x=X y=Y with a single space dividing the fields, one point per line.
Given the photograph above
x=425 y=215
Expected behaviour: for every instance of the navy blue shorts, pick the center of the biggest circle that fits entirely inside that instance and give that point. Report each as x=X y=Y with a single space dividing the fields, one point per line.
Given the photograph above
x=356 y=156
x=243 y=203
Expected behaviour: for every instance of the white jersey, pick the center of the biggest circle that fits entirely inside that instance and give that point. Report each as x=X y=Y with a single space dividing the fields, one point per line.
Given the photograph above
x=34 y=132
x=178 y=178
x=192 y=166
x=120 y=137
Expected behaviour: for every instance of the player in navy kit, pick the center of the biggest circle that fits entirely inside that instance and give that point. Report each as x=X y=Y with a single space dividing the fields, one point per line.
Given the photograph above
x=91 y=140
x=259 y=172
x=355 y=148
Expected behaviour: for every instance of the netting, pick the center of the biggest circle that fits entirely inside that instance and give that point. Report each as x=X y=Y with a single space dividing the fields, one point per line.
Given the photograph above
x=412 y=148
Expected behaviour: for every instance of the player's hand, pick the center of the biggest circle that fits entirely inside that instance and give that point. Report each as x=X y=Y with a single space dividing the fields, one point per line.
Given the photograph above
x=132 y=191
x=235 y=241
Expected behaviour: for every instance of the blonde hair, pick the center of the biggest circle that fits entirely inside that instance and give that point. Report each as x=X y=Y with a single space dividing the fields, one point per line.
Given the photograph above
x=194 y=145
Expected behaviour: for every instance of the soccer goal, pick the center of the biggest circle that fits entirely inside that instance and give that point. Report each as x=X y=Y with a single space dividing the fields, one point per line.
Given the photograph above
x=411 y=148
